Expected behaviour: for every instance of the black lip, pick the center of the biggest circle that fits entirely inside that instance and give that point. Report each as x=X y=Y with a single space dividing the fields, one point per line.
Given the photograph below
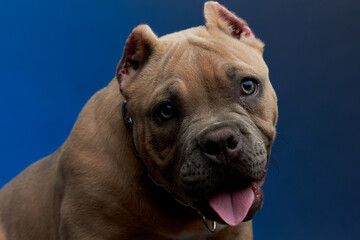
x=206 y=210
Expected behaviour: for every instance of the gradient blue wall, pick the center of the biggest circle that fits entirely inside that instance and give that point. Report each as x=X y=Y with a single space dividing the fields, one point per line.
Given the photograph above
x=55 y=54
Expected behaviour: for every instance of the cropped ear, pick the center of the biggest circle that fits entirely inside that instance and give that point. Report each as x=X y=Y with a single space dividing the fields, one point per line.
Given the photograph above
x=217 y=16
x=138 y=48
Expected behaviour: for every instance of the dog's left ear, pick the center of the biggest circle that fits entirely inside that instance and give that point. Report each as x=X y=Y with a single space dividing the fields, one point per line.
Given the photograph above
x=218 y=17
x=138 y=48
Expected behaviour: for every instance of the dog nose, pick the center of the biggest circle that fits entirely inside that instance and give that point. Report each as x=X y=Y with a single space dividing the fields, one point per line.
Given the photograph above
x=220 y=145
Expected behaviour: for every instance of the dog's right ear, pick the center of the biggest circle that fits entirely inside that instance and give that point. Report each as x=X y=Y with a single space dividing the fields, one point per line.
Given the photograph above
x=138 y=48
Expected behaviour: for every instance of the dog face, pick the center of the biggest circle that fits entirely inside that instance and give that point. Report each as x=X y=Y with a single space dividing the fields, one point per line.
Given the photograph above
x=204 y=112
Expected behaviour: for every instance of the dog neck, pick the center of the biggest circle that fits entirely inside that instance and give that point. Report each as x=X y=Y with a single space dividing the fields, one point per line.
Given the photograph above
x=101 y=143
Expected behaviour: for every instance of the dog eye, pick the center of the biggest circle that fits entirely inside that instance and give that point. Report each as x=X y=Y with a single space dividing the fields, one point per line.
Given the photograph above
x=165 y=112
x=248 y=86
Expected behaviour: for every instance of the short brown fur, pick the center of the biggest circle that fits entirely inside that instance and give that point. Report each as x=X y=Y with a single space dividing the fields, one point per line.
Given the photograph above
x=94 y=186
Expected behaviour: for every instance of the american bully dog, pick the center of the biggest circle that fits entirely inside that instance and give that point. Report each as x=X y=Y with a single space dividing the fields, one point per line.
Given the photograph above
x=175 y=147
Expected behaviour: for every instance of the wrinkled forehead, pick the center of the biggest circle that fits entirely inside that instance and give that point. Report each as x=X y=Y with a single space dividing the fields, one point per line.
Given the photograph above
x=195 y=53
x=199 y=67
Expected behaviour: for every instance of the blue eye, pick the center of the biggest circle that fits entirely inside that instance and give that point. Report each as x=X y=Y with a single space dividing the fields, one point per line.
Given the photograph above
x=248 y=86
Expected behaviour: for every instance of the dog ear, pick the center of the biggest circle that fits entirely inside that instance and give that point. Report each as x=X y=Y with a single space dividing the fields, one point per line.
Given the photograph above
x=138 y=48
x=217 y=16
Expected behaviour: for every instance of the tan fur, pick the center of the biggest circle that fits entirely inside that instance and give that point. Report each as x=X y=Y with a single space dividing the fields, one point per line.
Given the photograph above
x=2 y=233
x=93 y=186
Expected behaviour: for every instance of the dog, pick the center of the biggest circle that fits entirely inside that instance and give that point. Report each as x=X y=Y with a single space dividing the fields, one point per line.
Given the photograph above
x=177 y=145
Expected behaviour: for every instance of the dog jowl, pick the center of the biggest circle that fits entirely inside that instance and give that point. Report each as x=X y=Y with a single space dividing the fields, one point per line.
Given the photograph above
x=200 y=116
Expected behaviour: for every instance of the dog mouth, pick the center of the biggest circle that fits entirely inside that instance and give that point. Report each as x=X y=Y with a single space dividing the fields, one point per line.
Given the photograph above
x=234 y=205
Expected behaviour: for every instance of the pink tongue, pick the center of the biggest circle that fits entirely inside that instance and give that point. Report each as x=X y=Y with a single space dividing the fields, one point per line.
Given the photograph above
x=233 y=207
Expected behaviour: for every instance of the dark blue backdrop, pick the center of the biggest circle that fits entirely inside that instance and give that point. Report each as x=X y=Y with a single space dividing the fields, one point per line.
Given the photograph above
x=54 y=54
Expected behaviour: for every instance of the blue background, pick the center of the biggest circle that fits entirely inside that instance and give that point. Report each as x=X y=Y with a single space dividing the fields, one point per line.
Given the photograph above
x=55 y=54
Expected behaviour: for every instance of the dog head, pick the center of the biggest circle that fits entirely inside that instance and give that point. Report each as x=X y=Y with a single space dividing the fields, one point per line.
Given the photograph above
x=204 y=112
